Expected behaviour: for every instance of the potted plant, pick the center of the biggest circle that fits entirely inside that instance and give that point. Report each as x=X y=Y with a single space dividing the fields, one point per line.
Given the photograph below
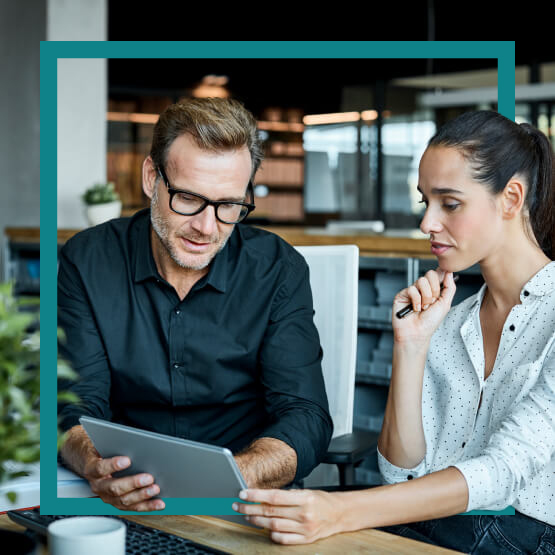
x=19 y=399
x=102 y=203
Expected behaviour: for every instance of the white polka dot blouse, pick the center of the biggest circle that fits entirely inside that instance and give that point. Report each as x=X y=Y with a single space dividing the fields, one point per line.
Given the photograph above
x=505 y=446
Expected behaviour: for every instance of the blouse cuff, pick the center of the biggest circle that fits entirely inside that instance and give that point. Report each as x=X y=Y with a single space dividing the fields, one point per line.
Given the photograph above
x=392 y=474
x=481 y=492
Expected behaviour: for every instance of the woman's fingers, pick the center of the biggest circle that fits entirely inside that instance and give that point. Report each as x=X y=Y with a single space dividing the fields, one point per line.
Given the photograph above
x=293 y=516
x=434 y=280
x=425 y=290
x=413 y=294
x=274 y=496
x=449 y=288
x=269 y=511
x=276 y=524
x=286 y=538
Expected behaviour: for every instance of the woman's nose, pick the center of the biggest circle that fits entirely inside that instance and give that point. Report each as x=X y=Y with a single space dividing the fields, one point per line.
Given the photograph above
x=431 y=222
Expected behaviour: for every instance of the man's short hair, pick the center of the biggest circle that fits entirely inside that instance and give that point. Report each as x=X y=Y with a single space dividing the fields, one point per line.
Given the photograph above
x=213 y=123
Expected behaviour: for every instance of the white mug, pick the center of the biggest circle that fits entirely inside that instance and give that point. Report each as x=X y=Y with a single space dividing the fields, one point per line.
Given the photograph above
x=87 y=535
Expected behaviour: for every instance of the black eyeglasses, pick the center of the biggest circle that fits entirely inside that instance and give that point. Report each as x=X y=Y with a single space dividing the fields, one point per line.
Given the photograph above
x=188 y=204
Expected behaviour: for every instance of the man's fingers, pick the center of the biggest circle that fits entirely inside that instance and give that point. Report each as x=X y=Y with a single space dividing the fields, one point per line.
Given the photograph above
x=106 y=467
x=117 y=487
x=153 y=505
x=139 y=495
x=147 y=505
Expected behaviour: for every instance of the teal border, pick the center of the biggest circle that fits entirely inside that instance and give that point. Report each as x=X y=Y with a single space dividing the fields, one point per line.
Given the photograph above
x=50 y=52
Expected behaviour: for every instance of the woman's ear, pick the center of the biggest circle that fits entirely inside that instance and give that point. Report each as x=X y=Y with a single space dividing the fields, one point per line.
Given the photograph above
x=150 y=176
x=512 y=197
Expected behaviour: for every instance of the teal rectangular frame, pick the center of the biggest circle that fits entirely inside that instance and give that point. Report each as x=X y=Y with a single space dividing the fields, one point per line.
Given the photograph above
x=50 y=52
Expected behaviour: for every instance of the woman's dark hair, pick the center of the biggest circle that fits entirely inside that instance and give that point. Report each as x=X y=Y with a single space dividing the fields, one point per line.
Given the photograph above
x=498 y=149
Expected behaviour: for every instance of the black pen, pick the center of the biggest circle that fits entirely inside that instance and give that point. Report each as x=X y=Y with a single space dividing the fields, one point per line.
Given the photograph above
x=408 y=309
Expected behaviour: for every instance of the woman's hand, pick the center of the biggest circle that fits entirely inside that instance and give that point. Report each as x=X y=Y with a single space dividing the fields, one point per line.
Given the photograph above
x=293 y=516
x=430 y=304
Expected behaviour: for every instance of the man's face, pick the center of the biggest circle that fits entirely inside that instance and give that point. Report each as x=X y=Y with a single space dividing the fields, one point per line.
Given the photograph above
x=193 y=241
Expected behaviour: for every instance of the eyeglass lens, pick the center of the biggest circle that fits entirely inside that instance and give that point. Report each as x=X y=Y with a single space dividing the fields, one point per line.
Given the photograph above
x=188 y=204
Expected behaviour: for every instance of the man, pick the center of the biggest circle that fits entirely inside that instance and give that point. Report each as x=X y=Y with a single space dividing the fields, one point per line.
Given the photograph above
x=182 y=322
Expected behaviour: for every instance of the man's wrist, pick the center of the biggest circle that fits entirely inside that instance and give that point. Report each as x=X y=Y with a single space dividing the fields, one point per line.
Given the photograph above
x=267 y=463
x=77 y=451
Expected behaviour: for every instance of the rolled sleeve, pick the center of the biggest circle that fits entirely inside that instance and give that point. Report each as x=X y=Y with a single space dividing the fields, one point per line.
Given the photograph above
x=523 y=445
x=291 y=373
x=392 y=474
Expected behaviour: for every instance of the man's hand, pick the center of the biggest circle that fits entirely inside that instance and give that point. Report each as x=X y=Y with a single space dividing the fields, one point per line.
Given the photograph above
x=130 y=493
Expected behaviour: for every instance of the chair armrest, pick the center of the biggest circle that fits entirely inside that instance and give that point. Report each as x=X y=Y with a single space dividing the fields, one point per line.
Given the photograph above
x=351 y=448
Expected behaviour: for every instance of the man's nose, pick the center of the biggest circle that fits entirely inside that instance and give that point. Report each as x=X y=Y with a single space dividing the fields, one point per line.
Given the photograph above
x=205 y=222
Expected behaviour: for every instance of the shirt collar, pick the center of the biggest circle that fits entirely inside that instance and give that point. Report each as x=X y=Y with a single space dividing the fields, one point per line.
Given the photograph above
x=145 y=266
x=540 y=284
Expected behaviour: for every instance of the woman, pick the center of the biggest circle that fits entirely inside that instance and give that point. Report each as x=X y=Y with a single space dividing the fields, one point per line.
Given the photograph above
x=470 y=416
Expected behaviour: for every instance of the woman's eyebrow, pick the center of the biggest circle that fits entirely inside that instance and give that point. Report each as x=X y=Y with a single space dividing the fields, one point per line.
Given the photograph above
x=442 y=191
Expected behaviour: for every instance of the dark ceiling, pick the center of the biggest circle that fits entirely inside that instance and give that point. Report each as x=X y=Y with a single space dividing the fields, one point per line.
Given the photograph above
x=313 y=85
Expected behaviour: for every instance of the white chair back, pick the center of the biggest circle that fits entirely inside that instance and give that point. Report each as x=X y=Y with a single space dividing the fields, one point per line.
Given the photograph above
x=334 y=283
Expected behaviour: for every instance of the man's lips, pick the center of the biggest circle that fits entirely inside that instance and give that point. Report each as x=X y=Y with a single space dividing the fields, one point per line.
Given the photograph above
x=194 y=245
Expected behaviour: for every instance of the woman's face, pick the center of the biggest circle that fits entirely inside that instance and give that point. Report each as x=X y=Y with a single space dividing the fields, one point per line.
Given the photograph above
x=463 y=219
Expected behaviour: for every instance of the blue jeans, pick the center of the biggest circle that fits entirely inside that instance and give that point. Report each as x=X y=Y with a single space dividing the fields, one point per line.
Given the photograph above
x=483 y=534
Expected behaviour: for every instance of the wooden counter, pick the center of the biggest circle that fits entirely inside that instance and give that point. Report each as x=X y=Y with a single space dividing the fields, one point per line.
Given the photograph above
x=404 y=243
x=244 y=540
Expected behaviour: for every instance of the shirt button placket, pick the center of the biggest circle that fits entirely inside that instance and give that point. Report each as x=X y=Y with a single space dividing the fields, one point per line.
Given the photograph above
x=176 y=351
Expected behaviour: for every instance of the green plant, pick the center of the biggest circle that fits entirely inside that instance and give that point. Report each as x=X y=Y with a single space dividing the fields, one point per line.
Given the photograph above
x=19 y=382
x=100 y=193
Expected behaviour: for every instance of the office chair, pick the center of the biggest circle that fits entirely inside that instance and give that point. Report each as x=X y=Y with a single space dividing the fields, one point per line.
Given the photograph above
x=334 y=283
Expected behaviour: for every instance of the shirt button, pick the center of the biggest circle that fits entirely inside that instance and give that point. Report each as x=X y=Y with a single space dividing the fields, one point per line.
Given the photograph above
x=176 y=365
x=177 y=311
x=526 y=293
x=410 y=477
x=512 y=327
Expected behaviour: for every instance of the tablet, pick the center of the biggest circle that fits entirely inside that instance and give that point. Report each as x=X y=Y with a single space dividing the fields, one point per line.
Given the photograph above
x=181 y=467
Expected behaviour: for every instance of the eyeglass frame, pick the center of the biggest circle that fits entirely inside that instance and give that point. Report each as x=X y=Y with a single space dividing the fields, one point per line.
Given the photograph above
x=207 y=202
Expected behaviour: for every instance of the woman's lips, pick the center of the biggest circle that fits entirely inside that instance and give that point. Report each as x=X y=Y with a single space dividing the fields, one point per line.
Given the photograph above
x=439 y=248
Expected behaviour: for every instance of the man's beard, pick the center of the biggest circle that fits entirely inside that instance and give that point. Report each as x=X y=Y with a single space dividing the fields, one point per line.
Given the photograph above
x=160 y=226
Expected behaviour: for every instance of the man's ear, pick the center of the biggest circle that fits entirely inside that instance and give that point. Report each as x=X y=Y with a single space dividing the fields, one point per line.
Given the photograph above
x=150 y=176
x=512 y=197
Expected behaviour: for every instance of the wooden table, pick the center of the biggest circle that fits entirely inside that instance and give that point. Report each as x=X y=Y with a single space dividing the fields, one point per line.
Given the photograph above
x=245 y=540
x=403 y=243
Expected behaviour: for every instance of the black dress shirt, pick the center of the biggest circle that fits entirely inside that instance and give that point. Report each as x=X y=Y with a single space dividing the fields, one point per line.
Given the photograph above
x=239 y=358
